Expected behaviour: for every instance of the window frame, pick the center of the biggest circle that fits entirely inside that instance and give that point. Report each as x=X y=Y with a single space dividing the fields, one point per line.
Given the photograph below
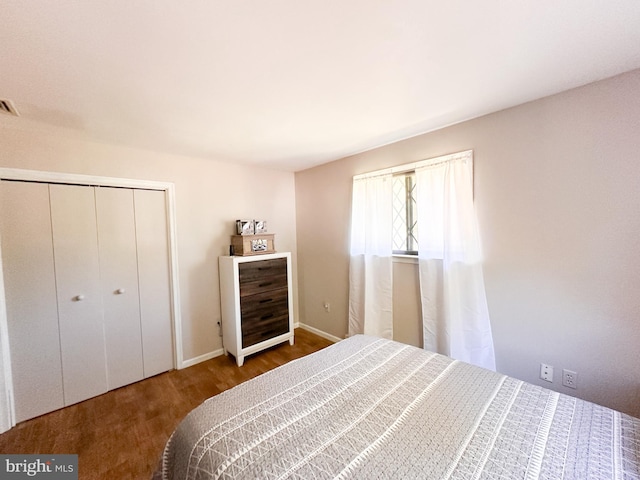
x=403 y=256
x=410 y=214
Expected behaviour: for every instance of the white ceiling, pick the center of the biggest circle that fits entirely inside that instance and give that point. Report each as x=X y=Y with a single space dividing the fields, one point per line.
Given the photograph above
x=295 y=83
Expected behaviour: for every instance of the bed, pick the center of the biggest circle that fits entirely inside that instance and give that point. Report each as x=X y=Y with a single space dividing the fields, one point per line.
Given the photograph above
x=376 y=409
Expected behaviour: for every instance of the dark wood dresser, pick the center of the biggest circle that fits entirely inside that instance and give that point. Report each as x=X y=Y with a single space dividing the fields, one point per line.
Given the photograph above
x=256 y=301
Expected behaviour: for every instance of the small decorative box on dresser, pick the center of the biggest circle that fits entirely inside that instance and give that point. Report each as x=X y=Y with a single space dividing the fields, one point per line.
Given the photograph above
x=257 y=306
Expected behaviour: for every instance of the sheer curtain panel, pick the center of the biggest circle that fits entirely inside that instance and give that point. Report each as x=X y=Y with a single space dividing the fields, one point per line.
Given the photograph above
x=371 y=268
x=454 y=307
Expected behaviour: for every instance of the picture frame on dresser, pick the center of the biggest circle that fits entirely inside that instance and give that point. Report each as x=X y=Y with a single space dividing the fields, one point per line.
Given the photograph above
x=256 y=303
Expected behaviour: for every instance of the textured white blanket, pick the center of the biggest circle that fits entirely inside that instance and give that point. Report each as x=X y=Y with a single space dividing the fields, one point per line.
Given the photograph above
x=370 y=408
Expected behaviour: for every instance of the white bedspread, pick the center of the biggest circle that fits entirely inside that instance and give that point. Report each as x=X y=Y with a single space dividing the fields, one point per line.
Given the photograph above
x=370 y=408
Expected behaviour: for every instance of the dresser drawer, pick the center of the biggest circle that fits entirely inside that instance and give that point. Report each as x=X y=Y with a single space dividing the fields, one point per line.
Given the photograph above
x=264 y=302
x=265 y=331
x=264 y=326
x=264 y=315
x=258 y=277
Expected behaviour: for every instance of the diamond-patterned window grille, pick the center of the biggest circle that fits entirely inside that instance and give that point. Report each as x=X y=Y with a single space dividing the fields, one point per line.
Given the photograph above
x=405 y=221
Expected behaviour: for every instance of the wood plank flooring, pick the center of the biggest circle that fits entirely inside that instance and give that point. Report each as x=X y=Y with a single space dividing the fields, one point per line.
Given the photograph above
x=121 y=434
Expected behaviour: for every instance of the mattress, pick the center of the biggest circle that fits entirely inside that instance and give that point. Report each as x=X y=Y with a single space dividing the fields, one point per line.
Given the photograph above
x=376 y=409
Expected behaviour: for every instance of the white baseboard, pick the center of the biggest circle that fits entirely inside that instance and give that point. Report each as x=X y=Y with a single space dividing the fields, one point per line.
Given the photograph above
x=320 y=333
x=220 y=351
x=201 y=358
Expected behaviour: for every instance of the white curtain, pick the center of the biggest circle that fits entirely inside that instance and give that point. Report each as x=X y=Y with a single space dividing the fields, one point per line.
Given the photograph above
x=371 y=268
x=454 y=306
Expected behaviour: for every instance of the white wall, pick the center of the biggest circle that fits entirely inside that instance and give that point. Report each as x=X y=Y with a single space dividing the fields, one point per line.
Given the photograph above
x=557 y=190
x=210 y=195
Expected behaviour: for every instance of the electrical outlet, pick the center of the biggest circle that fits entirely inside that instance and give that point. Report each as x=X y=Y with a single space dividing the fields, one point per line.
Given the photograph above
x=546 y=372
x=569 y=378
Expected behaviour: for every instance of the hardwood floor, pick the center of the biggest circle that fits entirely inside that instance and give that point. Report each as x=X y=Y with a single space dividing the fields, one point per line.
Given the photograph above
x=121 y=434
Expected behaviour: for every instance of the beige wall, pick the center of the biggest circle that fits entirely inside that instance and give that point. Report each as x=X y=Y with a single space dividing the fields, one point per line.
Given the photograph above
x=210 y=195
x=557 y=190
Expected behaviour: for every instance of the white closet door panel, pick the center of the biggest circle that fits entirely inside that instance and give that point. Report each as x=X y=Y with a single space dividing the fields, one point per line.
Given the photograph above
x=119 y=277
x=78 y=289
x=30 y=293
x=154 y=281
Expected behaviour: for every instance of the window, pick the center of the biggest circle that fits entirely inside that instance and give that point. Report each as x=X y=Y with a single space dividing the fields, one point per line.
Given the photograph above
x=405 y=218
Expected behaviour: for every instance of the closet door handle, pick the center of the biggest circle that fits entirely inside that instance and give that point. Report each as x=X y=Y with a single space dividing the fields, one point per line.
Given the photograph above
x=78 y=298
x=119 y=291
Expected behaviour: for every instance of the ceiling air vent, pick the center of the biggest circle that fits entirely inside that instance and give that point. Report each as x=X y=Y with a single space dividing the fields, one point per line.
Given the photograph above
x=6 y=106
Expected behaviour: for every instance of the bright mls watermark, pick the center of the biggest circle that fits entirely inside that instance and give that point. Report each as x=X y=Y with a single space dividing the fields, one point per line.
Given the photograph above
x=51 y=467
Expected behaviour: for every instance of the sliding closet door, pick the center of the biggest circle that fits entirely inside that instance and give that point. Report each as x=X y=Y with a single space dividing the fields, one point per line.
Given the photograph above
x=153 y=268
x=30 y=293
x=80 y=308
x=119 y=278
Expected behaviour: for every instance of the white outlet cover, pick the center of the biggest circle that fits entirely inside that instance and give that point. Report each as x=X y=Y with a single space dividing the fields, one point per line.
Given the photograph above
x=569 y=378
x=546 y=372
